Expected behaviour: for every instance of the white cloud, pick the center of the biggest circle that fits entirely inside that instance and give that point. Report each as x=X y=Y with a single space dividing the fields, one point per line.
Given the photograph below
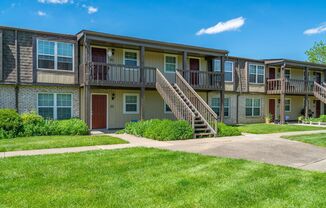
x=90 y=9
x=229 y=25
x=54 y=1
x=40 y=13
x=316 y=30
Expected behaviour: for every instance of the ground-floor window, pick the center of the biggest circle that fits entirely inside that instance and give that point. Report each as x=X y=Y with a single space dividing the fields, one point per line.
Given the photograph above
x=130 y=103
x=54 y=105
x=167 y=109
x=215 y=105
x=287 y=105
x=253 y=106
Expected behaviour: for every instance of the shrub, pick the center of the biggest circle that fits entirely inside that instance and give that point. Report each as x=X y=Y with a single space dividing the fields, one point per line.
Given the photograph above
x=33 y=125
x=160 y=129
x=323 y=118
x=72 y=126
x=10 y=123
x=224 y=130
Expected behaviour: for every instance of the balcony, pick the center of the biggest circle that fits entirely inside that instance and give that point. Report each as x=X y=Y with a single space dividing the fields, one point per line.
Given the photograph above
x=292 y=86
x=118 y=75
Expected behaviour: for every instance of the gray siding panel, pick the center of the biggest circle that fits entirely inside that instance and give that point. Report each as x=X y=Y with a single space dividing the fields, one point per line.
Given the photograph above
x=9 y=54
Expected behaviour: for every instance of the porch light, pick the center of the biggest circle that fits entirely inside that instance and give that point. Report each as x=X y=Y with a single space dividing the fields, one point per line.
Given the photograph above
x=113 y=96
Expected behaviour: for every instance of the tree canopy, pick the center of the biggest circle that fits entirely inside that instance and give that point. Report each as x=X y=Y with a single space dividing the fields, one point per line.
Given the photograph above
x=317 y=54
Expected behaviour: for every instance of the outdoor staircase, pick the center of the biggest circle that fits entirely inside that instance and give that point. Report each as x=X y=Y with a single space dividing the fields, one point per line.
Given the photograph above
x=319 y=91
x=187 y=105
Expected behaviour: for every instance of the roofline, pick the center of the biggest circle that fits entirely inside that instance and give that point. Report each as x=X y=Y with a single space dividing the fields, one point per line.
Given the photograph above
x=295 y=62
x=152 y=42
x=247 y=59
x=36 y=31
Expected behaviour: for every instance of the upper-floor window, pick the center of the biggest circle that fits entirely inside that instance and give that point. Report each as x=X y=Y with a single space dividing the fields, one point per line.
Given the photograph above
x=228 y=69
x=55 y=55
x=170 y=63
x=256 y=73
x=287 y=73
x=130 y=58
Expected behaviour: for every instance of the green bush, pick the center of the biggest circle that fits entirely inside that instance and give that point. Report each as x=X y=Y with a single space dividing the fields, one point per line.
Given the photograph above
x=323 y=118
x=160 y=129
x=224 y=130
x=10 y=123
x=33 y=125
x=72 y=126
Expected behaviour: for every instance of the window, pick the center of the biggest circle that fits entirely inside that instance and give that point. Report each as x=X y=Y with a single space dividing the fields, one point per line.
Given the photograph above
x=130 y=103
x=253 y=107
x=256 y=73
x=55 y=55
x=228 y=73
x=167 y=109
x=217 y=65
x=54 y=106
x=287 y=73
x=130 y=58
x=287 y=105
x=170 y=63
x=215 y=104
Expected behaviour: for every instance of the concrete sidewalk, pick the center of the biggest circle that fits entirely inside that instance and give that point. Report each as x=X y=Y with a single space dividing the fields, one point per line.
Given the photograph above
x=268 y=148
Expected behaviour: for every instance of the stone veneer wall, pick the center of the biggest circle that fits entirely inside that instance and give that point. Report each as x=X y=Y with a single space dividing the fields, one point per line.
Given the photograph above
x=7 y=96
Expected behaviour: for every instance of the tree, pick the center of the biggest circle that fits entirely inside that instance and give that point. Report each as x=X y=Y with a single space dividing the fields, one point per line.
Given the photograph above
x=317 y=54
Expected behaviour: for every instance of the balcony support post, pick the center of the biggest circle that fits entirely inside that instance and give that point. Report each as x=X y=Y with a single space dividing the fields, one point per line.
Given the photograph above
x=306 y=80
x=185 y=66
x=282 y=95
x=87 y=88
x=142 y=81
x=222 y=90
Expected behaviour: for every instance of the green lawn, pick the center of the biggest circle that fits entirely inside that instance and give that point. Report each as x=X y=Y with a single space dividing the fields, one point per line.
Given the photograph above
x=262 y=128
x=44 y=142
x=140 y=177
x=316 y=139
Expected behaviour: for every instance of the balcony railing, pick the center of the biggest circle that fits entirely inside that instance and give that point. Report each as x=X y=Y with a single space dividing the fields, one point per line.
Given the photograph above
x=202 y=79
x=120 y=75
x=292 y=86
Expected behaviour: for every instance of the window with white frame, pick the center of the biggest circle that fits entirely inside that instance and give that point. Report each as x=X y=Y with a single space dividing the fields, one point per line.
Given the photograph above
x=130 y=103
x=253 y=107
x=228 y=71
x=170 y=63
x=287 y=105
x=256 y=73
x=55 y=55
x=287 y=73
x=167 y=109
x=217 y=65
x=131 y=58
x=54 y=105
x=215 y=105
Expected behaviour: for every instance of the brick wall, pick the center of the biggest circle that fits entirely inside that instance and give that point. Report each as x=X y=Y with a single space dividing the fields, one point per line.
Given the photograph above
x=27 y=99
x=7 y=96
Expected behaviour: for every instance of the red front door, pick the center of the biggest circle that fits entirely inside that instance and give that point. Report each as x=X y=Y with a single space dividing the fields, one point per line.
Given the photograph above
x=99 y=105
x=271 y=73
x=271 y=108
x=194 y=69
x=317 y=108
x=99 y=56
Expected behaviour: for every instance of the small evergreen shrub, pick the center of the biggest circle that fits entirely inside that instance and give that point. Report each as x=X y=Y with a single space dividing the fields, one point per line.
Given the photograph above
x=160 y=129
x=10 y=123
x=225 y=130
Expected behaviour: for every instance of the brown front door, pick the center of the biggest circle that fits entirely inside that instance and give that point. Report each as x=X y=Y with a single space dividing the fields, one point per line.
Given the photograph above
x=99 y=105
x=194 y=69
x=317 y=108
x=99 y=56
x=271 y=73
x=272 y=108
x=318 y=77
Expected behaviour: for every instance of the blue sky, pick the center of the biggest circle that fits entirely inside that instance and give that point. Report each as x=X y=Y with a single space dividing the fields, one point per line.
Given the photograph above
x=253 y=29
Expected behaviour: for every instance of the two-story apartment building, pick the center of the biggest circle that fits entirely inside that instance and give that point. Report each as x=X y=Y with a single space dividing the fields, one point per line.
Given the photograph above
x=109 y=80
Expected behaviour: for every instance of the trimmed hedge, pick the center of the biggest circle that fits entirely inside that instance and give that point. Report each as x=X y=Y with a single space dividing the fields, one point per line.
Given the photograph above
x=162 y=130
x=31 y=124
x=225 y=130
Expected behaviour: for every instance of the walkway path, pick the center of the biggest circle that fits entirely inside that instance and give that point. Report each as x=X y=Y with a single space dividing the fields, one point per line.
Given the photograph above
x=269 y=148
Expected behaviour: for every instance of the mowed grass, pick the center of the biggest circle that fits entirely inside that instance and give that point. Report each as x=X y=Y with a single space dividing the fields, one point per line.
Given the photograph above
x=316 y=139
x=262 y=128
x=44 y=142
x=140 y=177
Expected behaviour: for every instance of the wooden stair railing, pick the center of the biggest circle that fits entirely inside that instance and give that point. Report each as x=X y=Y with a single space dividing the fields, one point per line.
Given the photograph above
x=206 y=112
x=320 y=92
x=179 y=108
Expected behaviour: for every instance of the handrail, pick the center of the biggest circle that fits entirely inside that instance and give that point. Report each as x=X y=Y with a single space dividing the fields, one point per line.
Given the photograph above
x=177 y=105
x=319 y=92
x=202 y=79
x=203 y=108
